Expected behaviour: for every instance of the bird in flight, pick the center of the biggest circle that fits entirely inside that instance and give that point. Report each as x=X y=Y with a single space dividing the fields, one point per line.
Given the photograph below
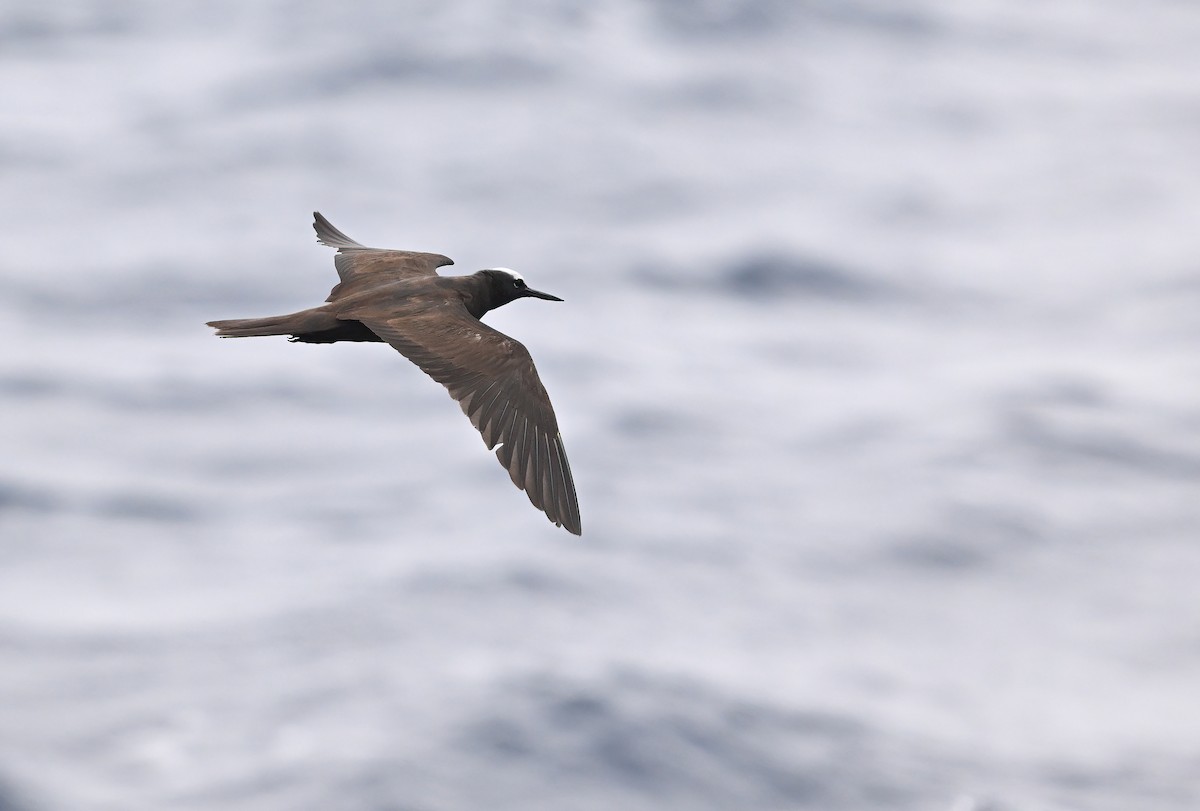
x=398 y=297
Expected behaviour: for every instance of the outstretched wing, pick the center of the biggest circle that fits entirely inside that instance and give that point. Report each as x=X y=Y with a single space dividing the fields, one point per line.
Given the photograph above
x=493 y=378
x=360 y=267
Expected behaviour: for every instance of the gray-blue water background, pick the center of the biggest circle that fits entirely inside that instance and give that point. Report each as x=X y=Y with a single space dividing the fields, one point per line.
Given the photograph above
x=877 y=369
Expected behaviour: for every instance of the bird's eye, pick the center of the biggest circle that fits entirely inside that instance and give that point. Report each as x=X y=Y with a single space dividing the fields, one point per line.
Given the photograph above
x=519 y=282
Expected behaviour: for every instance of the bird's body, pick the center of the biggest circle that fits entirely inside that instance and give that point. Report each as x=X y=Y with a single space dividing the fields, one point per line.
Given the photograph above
x=397 y=297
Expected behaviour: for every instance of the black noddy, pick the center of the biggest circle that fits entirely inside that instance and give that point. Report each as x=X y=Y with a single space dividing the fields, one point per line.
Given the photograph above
x=398 y=297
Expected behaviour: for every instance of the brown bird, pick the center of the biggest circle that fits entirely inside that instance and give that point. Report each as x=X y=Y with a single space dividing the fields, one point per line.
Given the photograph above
x=398 y=297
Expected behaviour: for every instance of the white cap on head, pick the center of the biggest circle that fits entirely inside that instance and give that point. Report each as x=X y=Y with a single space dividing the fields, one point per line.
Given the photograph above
x=510 y=272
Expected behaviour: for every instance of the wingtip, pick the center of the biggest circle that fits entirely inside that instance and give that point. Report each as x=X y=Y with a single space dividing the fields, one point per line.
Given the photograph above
x=568 y=519
x=328 y=234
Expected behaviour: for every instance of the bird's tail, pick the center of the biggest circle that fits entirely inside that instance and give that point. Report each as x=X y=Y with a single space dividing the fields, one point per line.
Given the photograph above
x=305 y=321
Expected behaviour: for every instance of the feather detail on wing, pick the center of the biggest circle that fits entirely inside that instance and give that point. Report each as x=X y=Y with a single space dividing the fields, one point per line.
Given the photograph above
x=493 y=378
x=361 y=268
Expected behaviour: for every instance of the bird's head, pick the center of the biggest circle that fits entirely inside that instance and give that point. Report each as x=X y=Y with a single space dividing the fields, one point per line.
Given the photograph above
x=507 y=285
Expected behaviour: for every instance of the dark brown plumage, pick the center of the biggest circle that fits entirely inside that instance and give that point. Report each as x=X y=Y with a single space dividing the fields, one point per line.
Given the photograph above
x=398 y=297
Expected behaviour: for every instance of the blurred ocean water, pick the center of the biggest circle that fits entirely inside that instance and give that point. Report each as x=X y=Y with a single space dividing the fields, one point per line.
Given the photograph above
x=878 y=371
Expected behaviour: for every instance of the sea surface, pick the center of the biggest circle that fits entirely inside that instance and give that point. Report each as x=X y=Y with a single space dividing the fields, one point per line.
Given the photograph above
x=878 y=367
